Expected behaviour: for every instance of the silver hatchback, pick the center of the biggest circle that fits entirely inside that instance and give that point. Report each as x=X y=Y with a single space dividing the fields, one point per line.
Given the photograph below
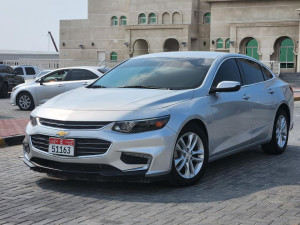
x=162 y=115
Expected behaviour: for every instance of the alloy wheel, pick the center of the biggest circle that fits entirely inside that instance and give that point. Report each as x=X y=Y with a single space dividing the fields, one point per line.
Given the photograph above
x=281 y=131
x=189 y=155
x=24 y=101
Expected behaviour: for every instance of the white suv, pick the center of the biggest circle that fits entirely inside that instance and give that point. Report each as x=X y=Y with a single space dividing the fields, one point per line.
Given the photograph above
x=27 y=72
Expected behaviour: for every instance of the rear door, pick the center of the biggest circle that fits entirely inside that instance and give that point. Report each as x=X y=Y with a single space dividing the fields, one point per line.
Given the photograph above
x=231 y=111
x=261 y=96
x=53 y=84
x=79 y=78
x=30 y=73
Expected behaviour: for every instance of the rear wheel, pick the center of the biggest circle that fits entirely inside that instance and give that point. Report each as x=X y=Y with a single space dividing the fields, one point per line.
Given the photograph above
x=25 y=101
x=280 y=135
x=190 y=156
x=4 y=90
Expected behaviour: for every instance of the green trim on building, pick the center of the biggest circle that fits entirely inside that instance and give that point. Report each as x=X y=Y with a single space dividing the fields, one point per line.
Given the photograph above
x=252 y=49
x=286 y=53
x=220 y=43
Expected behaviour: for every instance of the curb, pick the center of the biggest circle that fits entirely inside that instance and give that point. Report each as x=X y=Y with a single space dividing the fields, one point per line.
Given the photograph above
x=13 y=140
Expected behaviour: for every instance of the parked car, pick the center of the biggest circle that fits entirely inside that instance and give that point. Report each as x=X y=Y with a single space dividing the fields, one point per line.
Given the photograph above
x=37 y=92
x=8 y=80
x=161 y=116
x=27 y=72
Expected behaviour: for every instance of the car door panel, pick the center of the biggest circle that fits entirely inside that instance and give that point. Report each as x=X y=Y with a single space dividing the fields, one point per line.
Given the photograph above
x=231 y=111
x=54 y=85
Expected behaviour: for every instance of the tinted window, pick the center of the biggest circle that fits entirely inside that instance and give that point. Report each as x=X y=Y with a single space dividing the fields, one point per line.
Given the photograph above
x=267 y=74
x=78 y=75
x=29 y=71
x=2 y=69
x=228 y=71
x=252 y=71
x=90 y=75
x=169 y=73
x=19 y=70
x=10 y=70
x=56 y=76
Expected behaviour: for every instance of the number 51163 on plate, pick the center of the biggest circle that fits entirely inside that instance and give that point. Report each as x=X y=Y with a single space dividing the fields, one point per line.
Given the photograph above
x=58 y=146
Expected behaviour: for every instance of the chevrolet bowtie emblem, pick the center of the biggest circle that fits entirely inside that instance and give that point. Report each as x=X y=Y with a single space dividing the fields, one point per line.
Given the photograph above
x=62 y=134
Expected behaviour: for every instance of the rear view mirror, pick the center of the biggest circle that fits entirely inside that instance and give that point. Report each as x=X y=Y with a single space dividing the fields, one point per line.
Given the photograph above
x=226 y=86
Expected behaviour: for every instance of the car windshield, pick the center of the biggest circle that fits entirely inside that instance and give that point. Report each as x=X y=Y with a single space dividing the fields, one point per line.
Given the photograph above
x=164 y=73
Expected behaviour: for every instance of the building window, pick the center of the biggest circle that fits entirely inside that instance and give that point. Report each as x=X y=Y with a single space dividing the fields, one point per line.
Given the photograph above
x=219 y=43
x=252 y=49
x=227 y=43
x=123 y=20
x=206 y=19
x=142 y=18
x=113 y=56
x=114 y=21
x=286 y=54
x=152 y=18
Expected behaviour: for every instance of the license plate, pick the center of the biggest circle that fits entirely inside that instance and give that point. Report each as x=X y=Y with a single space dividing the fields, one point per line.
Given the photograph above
x=59 y=146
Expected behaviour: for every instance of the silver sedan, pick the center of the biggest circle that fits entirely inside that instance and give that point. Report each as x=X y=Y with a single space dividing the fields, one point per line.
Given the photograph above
x=161 y=116
x=53 y=83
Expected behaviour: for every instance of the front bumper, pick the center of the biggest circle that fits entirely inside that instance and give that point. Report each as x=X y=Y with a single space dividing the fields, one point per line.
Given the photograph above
x=158 y=145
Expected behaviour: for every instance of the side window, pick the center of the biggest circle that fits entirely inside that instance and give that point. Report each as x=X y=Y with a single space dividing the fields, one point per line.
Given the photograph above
x=252 y=71
x=90 y=75
x=29 y=71
x=78 y=75
x=267 y=74
x=56 y=76
x=2 y=69
x=228 y=71
x=10 y=70
x=19 y=70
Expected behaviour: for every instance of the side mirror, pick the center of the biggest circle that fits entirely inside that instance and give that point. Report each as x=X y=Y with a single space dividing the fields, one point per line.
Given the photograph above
x=226 y=86
x=41 y=81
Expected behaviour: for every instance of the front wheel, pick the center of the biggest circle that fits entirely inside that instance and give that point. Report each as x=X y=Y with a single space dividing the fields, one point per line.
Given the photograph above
x=190 y=156
x=25 y=101
x=280 y=135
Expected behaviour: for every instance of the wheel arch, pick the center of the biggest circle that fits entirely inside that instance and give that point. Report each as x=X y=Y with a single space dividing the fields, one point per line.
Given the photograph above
x=285 y=108
x=25 y=91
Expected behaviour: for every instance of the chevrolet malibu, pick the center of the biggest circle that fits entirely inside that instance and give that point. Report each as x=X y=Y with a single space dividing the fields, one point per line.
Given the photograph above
x=161 y=116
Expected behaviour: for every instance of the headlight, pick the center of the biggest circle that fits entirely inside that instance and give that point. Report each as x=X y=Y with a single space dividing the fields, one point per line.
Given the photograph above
x=136 y=126
x=33 y=120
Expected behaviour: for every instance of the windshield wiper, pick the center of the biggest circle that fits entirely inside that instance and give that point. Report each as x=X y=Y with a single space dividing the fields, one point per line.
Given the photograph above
x=142 y=86
x=97 y=86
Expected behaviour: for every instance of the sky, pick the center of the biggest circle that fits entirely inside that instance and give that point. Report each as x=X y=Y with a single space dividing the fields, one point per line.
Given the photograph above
x=25 y=23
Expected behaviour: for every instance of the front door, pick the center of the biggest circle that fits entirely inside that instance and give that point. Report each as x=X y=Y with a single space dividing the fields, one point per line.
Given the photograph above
x=52 y=84
x=231 y=112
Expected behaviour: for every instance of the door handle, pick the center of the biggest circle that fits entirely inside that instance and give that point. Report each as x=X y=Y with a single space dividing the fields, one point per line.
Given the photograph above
x=271 y=91
x=85 y=83
x=60 y=85
x=246 y=97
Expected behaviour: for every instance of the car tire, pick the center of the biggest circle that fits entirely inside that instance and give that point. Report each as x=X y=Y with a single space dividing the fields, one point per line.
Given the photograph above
x=4 y=91
x=191 y=151
x=280 y=135
x=25 y=101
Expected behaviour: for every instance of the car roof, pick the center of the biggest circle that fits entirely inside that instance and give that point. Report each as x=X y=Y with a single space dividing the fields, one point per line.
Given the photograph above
x=185 y=54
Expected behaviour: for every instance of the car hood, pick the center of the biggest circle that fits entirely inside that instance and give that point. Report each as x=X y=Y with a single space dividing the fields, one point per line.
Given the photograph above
x=117 y=99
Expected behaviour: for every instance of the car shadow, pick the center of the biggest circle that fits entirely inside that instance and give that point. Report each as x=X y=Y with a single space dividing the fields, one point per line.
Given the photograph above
x=232 y=177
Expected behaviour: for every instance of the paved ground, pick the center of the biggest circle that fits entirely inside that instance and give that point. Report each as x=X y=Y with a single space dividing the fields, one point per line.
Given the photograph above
x=12 y=120
x=247 y=188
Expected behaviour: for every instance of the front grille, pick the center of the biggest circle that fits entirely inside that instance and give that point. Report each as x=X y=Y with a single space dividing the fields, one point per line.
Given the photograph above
x=72 y=124
x=83 y=146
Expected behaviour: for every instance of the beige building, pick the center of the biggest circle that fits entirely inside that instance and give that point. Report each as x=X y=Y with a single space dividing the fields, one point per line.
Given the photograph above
x=119 y=29
x=267 y=30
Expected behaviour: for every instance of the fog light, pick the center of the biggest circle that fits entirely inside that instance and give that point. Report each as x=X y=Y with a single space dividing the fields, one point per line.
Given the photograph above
x=26 y=148
x=135 y=158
